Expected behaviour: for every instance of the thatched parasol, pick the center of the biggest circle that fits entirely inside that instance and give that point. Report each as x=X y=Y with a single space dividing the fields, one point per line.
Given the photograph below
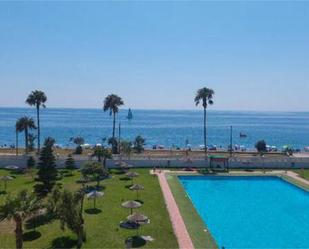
x=139 y=219
x=131 y=205
x=6 y=179
x=132 y=175
x=137 y=187
x=94 y=195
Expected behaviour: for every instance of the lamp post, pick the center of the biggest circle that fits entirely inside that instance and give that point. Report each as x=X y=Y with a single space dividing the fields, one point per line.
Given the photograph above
x=231 y=141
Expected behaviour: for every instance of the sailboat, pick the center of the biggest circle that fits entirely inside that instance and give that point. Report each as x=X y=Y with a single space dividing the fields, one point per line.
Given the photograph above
x=130 y=115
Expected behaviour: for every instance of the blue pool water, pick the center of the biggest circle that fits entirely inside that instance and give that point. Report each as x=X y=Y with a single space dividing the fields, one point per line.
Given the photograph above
x=251 y=212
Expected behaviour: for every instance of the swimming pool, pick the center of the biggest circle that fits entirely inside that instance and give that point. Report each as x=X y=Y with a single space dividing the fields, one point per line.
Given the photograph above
x=251 y=211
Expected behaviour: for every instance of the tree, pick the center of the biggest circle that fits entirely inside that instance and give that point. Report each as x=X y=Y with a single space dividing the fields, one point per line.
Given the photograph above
x=102 y=152
x=126 y=148
x=18 y=209
x=67 y=207
x=78 y=141
x=95 y=171
x=30 y=165
x=70 y=163
x=112 y=103
x=37 y=99
x=31 y=139
x=204 y=96
x=47 y=173
x=261 y=146
x=18 y=129
x=24 y=124
x=139 y=143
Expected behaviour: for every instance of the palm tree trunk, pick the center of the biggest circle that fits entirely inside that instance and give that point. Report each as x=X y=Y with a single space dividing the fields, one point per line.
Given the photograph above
x=80 y=235
x=104 y=162
x=39 y=131
x=114 y=146
x=82 y=206
x=205 y=133
x=16 y=143
x=114 y=123
x=19 y=233
x=26 y=140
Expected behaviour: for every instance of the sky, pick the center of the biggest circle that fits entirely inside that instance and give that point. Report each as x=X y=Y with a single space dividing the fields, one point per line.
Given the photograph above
x=156 y=54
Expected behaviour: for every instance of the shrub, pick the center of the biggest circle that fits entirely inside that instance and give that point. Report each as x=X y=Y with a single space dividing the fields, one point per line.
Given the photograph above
x=261 y=146
x=70 y=163
x=79 y=150
x=139 y=143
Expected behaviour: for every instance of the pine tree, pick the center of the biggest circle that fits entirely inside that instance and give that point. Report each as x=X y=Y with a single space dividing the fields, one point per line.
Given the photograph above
x=47 y=173
x=70 y=163
x=30 y=165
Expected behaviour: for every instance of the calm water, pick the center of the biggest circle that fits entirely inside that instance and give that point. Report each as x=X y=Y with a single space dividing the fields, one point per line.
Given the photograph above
x=251 y=212
x=165 y=127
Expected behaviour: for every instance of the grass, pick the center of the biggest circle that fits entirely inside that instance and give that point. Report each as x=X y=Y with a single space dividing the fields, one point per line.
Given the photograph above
x=199 y=234
x=303 y=173
x=102 y=228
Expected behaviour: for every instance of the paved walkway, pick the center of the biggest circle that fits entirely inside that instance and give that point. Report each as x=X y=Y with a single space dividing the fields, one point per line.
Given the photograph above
x=180 y=230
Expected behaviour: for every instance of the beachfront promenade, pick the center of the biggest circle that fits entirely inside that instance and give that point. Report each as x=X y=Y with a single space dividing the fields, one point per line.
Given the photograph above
x=235 y=162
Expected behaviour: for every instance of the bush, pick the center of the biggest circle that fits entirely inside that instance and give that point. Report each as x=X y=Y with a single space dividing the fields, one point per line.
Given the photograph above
x=261 y=146
x=70 y=163
x=30 y=163
x=79 y=150
x=139 y=143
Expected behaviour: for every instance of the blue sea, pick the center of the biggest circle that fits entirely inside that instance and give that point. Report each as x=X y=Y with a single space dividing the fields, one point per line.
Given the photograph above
x=164 y=127
x=251 y=212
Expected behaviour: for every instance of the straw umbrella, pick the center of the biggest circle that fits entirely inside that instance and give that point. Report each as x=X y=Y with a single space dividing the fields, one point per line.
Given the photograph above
x=137 y=187
x=139 y=219
x=5 y=179
x=94 y=195
x=11 y=167
x=131 y=205
x=132 y=175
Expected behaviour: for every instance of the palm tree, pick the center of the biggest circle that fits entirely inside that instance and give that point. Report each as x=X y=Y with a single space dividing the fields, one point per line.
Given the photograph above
x=204 y=95
x=24 y=124
x=37 y=98
x=102 y=152
x=18 y=209
x=18 y=128
x=111 y=104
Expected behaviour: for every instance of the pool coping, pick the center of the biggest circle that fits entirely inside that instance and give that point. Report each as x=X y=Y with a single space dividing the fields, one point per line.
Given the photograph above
x=179 y=227
x=179 y=223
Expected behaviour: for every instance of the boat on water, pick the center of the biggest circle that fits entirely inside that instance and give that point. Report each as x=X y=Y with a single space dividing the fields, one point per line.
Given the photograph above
x=242 y=135
x=130 y=114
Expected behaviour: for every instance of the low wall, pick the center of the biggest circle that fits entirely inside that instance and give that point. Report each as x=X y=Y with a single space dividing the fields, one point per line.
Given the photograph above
x=234 y=163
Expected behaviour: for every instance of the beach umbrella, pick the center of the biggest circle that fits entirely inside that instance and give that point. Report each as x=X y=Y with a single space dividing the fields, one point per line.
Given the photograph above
x=125 y=165
x=137 y=187
x=132 y=175
x=5 y=179
x=118 y=163
x=94 y=195
x=11 y=167
x=139 y=219
x=131 y=205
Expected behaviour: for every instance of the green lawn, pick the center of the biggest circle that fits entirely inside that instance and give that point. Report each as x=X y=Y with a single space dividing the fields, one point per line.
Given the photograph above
x=199 y=234
x=303 y=173
x=102 y=229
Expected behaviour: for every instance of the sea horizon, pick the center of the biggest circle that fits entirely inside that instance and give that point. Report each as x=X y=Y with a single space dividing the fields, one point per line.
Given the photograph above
x=170 y=128
x=197 y=109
